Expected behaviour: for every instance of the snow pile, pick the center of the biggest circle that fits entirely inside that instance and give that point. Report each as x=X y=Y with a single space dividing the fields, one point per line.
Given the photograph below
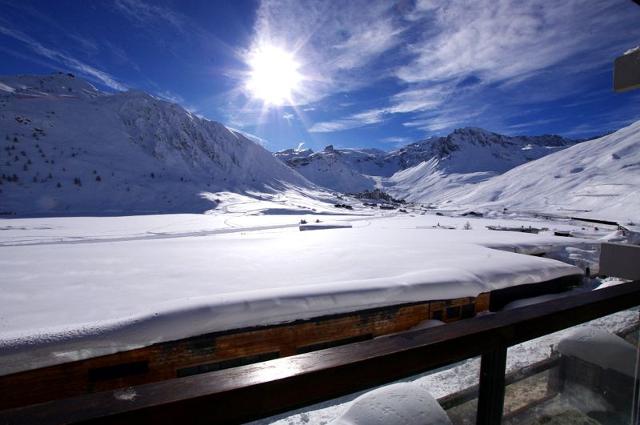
x=74 y=300
x=70 y=149
x=599 y=178
x=396 y=404
x=601 y=348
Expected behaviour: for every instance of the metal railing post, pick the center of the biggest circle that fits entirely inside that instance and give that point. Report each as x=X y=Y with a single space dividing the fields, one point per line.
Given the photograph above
x=491 y=392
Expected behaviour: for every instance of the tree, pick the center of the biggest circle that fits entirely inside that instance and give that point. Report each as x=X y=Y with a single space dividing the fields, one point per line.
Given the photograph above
x=467 y=226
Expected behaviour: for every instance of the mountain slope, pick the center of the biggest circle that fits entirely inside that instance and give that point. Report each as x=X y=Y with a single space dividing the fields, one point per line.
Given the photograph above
x=68 y=148
x=599 y=178
x=440 y=167
x=425 y=170
x=343 y=170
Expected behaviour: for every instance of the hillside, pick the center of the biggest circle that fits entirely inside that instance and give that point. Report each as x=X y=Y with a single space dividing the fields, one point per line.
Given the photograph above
x=69 y=148
x=599 y=178
x=425 y=170
x=343 y=170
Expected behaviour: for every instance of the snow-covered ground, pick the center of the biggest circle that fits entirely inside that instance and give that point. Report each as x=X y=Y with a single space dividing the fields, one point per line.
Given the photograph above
x=80 y=287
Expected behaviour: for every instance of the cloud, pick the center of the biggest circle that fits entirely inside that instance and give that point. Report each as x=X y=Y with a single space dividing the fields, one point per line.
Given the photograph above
x=142 y=13
x=500 y=40
x=335 y=42
x=256 y=139
x=396 y=140
x=171 y=97
x=412 y=100
x=484 y=61
x=372 y=116
x=81 y=68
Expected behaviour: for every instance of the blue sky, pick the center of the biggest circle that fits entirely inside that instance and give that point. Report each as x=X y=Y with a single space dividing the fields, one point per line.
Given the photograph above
x=372 y=74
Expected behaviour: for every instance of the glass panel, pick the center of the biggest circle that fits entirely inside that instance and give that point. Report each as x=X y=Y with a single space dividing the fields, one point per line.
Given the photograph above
x=582 y=375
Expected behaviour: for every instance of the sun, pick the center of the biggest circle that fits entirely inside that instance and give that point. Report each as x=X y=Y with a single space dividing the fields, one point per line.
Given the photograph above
x=274 y=75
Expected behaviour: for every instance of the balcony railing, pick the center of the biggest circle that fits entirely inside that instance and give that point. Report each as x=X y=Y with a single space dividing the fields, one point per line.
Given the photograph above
x=263 y=389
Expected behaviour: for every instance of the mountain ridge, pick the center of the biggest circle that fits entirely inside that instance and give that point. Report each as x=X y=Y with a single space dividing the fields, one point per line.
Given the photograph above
x=69 y=148
x=436 y=158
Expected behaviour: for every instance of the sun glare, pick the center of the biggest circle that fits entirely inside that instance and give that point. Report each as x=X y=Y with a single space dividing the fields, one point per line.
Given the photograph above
x=274 y=75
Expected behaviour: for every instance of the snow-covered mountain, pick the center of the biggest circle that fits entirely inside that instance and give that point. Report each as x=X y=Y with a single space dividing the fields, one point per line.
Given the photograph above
x=424 y=169
x=344 y=170
x=600 y=178
x=438 y=168
x=69 y=148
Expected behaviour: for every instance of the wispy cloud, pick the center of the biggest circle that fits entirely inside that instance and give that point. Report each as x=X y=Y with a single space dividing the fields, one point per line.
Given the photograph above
x=500 y=40
x=250 y=136
x=454 y=62
x=288 y=116
x=64 y=59
x=411 y=100
x=360 y=119
x=142 y=13
x=334 y=41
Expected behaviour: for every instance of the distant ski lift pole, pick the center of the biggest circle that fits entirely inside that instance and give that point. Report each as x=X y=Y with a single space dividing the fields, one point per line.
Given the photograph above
x=626 y=71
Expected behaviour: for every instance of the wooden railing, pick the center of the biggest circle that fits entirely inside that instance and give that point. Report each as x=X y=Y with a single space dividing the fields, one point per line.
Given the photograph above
x=263 y=389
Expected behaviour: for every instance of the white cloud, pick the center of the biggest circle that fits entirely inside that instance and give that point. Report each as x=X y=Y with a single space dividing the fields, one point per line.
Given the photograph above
x=500 y=40
x=372 y=116
x=259 y=140
x=396 y=141
x=142 y=12
x=471 y=61
x=333 y=41
x=411 y=100
x=81 y=68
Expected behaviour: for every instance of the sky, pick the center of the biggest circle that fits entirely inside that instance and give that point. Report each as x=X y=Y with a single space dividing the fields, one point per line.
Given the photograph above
x=348 y=73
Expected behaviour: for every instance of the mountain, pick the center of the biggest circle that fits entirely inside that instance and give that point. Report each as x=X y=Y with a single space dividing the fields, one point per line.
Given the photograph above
x=69 y=148
x=424 y=170
x=599 y=178
x=343 y=170
x=440 y=167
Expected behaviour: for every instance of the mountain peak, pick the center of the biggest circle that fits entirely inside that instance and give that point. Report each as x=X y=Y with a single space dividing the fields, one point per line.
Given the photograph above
x=472 y=130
